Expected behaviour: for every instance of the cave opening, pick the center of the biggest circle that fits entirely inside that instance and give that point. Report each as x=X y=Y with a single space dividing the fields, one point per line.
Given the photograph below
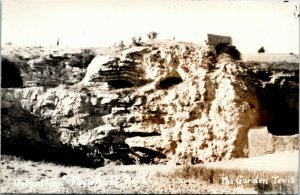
x=10 y=75
x=284 y=120
x=169 y=82
x=117 y=84
x=279 y=110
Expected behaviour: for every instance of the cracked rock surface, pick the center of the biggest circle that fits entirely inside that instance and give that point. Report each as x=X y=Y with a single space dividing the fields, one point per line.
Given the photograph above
x=165 y=102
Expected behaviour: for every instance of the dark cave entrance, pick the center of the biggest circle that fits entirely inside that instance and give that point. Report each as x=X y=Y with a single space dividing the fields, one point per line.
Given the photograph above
x=10 y=75
x=280 y=110
x=117 y=84
x=282 y=120
x=169 y=82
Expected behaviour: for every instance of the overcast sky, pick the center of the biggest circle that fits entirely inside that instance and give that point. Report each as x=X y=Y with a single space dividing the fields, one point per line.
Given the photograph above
x=81 y=23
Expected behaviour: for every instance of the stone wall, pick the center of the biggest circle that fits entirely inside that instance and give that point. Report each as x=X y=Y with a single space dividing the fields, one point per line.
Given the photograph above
x=261 y=142
x=215 y=40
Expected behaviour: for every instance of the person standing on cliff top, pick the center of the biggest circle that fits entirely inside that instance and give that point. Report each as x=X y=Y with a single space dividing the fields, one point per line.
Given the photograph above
x=57 y=43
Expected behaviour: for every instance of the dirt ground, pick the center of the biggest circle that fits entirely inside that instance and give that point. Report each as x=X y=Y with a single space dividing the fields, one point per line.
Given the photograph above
x=21 y=176
x=281 y=161
x=39 y=178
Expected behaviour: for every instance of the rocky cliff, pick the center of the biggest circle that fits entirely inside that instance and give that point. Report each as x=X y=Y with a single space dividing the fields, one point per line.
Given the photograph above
x=38 y=66
x=164 y=102
x=276 y=79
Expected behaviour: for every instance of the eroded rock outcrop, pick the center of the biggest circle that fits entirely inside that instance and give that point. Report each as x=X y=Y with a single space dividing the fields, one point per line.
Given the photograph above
x=35 y=66
x=165 y=102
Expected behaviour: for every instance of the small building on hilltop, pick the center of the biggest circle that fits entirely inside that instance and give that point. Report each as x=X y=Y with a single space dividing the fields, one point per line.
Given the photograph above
x=215 y=40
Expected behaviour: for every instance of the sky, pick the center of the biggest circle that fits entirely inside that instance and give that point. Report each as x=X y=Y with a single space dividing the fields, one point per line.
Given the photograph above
x=101 y=23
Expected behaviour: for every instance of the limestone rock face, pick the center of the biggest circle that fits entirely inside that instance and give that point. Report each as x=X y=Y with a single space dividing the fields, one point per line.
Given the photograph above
x=38 y=66
x=165 y=102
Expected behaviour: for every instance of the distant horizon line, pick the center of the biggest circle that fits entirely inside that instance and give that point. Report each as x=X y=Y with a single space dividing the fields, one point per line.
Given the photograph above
x=111 y=47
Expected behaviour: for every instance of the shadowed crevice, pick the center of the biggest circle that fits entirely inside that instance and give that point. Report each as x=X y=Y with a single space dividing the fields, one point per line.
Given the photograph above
x=149 y=152
x=169 y=82
x=133 y=134
x=117 y=84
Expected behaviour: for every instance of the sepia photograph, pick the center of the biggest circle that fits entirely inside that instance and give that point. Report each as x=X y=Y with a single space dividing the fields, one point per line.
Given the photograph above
x=149 y=97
